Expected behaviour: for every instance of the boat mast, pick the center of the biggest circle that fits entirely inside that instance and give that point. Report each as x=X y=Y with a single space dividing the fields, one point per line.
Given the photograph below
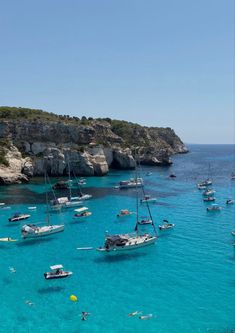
x=148 y=207
x=70 y=192
x=137 y=197
x=79 y=186
x=45 y=184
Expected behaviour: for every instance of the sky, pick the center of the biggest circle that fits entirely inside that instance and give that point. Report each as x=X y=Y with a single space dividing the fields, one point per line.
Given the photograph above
x=153 y=62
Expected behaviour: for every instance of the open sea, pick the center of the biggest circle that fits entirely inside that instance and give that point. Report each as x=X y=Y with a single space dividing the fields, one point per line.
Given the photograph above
x=186 y=280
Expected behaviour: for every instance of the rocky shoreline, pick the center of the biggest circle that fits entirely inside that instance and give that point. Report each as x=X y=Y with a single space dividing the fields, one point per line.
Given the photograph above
x=30 y=146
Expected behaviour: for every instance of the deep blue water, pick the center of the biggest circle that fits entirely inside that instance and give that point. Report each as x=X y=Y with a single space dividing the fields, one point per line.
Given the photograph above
x=186 y=280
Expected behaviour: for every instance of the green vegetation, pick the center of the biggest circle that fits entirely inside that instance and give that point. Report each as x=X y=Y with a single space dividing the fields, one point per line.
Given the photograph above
x=15 y=113
x=131 y=133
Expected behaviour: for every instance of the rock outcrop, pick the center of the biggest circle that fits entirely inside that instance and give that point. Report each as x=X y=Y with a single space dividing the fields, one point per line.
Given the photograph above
x=36 y=145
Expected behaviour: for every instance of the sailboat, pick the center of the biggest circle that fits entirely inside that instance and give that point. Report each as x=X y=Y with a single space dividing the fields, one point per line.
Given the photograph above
x=67 y=202
x=207 y=181
x=81 y=195
x=35 y=230
x=130 y=241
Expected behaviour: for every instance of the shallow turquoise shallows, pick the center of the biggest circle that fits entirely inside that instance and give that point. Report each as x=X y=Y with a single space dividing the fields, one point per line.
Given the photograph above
x=186 y=280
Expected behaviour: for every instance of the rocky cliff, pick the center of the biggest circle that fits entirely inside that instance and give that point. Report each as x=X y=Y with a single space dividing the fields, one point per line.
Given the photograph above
x=32 y=140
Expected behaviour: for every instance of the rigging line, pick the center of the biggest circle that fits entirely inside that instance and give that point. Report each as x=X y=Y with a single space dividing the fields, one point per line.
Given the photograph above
x=149 y=211
x=47 y=210
x=137 y=199
x=49 y=182
x=79 y=186
x=70 y=191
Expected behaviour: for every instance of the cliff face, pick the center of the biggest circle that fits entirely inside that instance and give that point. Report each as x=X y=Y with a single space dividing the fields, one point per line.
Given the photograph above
x=92 y=148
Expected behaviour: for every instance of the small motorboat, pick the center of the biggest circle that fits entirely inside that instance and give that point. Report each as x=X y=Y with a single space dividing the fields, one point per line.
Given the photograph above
x=230 y=201
x=148 y=198
x=208 y=192
x=8 y=239
x=172 y=175
x=201 y=187
x=145 y=221
x=82 y=197
x=57 y=272
x=32 y=208
x=82 y=212
x=18 y=217
x=213 y=207
x=206 y=182
x=166 y=225
x=208 y=199
x=124 y=212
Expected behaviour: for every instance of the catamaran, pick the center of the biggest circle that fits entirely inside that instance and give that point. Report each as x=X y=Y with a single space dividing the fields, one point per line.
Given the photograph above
x=130 y=241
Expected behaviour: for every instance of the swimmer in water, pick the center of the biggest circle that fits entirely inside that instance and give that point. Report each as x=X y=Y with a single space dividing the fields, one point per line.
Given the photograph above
x=84 y=315
x=146 y=317
x=132 y=314
x=29 y=303
x=12 y=269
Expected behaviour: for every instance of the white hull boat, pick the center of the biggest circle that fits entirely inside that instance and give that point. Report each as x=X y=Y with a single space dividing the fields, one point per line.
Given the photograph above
x=131 y=183
x=34 y=231
x=82 y=197
x=120 y=243
x=19 y=217
x=230 y=202
x=66 y=203
x=57 y=272
x=166 y=226
x=208 y=193
x=149 y=199
x=213 y=208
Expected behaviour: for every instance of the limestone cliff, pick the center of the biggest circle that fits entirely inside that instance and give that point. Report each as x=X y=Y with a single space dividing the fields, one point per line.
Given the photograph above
x=32 y=140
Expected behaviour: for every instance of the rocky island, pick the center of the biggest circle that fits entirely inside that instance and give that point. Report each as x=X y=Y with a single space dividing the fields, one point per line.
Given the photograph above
x=32 y=140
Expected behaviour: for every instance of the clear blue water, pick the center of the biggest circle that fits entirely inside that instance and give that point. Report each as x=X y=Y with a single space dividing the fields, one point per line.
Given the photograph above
x=186 y=279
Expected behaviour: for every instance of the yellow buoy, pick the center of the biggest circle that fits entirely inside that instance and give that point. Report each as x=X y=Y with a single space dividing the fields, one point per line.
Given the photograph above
x=73 y=298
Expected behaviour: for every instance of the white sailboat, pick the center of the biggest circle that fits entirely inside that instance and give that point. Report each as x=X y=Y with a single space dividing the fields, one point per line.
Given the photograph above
x=69 y=202
x=40 y=230
x=207 y=181
x=130 y=241
x=81 y=195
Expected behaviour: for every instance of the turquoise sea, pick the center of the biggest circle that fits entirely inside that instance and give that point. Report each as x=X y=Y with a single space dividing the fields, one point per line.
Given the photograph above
x=186 y=280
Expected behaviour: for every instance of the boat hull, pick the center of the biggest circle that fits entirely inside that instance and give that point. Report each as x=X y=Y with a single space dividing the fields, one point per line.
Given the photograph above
x=46 y=232
x=17 y=219
x=49 y=276
x=132 y=246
